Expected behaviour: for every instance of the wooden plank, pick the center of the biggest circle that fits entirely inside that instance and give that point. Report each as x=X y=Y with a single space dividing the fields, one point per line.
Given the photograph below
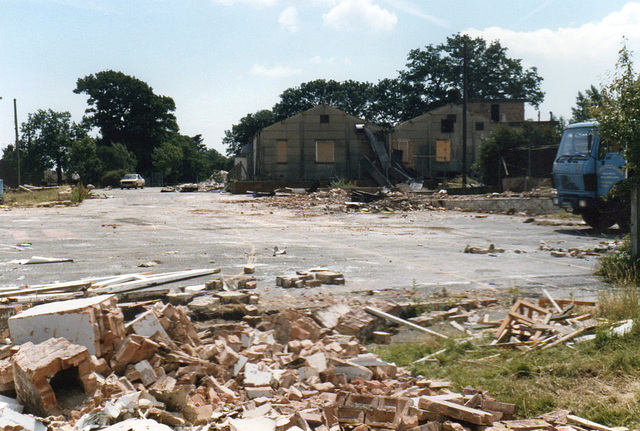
x=553 y=301
x=588 y=424
x=380 y=313
x=154 y=280
x=455 y=411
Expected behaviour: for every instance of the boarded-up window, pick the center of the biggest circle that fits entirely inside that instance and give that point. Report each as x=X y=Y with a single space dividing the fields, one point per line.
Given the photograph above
x=443 y=150
x=324 y=152
x=282 y=151
x=324 y=119
x=406 y=146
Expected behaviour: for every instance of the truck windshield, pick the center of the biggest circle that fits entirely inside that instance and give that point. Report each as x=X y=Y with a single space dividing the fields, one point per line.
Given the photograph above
x=575 y=143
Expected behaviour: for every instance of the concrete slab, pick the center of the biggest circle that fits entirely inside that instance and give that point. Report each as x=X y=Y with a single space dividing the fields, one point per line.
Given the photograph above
x=77 y=320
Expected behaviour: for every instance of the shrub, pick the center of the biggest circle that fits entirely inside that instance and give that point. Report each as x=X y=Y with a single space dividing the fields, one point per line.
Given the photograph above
x=112 y=178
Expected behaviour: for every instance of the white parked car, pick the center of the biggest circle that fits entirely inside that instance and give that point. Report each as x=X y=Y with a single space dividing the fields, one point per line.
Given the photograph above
x=132 y=181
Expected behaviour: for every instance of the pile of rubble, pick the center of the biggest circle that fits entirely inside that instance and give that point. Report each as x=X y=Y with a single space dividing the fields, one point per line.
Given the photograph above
x=342 y=200
x=94 y=363
x=531 y=326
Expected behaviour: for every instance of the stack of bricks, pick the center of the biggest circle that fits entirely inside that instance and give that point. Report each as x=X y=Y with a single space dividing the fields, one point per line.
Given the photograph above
x=311 y=278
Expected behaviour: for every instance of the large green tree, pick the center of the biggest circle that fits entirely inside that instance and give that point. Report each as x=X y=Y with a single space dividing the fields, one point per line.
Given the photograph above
x=435 y=74
x=352 y=97
x=433 y=77
x=585 y=104
x=242 y=133
x=491 y=154
x=126 y=110
x=619 y=110
x=186 y=159
x=47 y=137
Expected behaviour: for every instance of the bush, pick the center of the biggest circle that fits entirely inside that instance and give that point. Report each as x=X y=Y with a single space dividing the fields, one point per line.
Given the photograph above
x=112 y=178
x=618 y=268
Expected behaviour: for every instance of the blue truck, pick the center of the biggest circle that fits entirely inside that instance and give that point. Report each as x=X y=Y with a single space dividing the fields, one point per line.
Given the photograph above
x=585 y=169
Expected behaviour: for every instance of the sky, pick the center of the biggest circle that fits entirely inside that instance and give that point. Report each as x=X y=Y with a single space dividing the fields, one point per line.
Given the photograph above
x=223 y=59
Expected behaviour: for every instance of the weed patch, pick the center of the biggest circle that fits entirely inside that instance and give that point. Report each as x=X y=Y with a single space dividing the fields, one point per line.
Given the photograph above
x=598 y=380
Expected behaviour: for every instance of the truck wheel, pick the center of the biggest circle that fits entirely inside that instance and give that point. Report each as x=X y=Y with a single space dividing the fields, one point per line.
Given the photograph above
x=598 y=221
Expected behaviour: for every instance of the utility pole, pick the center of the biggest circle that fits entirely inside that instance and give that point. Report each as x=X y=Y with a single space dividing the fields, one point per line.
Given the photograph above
x=465 y=66
x=15 y=119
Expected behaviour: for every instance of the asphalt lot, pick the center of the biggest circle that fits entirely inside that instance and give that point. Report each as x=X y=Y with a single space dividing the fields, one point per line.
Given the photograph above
x=399 y=254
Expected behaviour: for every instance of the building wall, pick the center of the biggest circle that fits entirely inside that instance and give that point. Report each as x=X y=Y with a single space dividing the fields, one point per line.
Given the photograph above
x=426 y=130
x=510 y=111
x=297 y=159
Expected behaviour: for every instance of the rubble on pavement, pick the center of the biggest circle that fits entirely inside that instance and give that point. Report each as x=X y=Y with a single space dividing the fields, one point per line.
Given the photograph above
x=97 y=363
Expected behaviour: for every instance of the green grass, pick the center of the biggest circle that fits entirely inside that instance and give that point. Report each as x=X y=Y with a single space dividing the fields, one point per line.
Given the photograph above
x=618 y=268
x=598 y=380
x=24 y=198
x=79 y=194
x=343 y=184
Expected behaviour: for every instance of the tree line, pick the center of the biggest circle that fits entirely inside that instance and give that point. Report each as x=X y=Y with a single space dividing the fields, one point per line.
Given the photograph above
x=138 y=132
x=432 y=78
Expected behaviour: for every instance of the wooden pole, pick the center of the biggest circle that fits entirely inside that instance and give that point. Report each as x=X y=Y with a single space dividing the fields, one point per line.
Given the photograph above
x=635 y=221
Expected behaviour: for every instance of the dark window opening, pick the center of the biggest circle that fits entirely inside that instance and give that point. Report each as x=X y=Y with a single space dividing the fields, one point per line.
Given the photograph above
x=68 y=388
x=446 y=125
x=495 y=112
x=324 y=119
x=479 y=126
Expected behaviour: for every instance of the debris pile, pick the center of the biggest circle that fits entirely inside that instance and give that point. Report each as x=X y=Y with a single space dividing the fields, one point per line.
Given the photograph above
x=310 y=278
x=581 y=253
x=341 y=200
x=530 y=326
x=288 y=373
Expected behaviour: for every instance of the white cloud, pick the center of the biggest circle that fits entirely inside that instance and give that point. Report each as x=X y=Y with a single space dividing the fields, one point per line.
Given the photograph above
x=289 y=19
x=249 y=2
x=412 y=9
x=570 y=59
x=315 y=60
x=360 y=14
x=274 y=72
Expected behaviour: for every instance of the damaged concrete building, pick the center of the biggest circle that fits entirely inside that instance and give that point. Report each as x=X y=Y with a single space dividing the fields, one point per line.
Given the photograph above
x=317 y=144
x=325 y=143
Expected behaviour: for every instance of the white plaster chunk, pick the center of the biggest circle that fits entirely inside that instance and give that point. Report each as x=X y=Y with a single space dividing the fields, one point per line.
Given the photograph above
x=254 y=377
x=148 y=325
x=261 y=424
x=73 y=320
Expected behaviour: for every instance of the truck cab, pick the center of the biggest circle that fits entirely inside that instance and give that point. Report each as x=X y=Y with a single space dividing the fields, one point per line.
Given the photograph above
x=584 y=171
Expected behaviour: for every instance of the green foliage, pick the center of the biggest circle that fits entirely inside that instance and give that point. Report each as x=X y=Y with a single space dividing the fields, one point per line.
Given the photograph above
x=167 y=158
x=583 y=379
x=432 y=78
x=47 y=139
x=79 y=194
x=343 y=184
x=112 y=178
x=116 y=157
x=489 y=161
x=585 y=105
x=126 y=110
x=618 y=268
x=243 y=132
x=436 y=73
x=350 y=96
x=83 y=159
x=619 y=110
x=185 y=159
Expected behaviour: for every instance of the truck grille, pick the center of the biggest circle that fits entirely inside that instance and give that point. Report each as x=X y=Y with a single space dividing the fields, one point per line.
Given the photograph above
x=567 y=183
